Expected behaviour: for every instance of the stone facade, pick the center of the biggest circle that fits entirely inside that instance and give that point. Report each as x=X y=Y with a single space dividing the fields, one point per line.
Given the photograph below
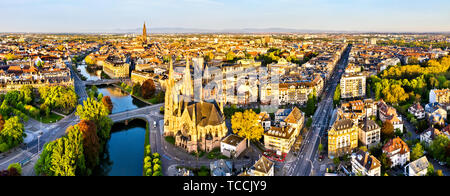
x=195 y=125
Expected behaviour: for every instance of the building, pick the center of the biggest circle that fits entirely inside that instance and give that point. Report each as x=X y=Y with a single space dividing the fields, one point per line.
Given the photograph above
x=282 y=138
x=435 y=114
x=232 y=146
x=194 y=125
x=418 y=167
x=262 y=167
x=429 y=135
x=369 y=133
x=342 y=138
x=22 y=74
x=115 y=67
x=365 y=164
x=440 y=96
x=221 y=168
x=397 y=151
x=265 y=120
x=353 y=85
x=139 y=77
x=417 y=110
x=389 y=114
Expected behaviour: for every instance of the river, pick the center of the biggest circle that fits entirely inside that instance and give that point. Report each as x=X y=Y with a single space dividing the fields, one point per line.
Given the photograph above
x=124 y=153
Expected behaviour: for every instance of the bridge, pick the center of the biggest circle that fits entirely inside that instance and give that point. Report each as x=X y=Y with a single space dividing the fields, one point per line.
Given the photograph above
x=102 y=82
x=142 y=113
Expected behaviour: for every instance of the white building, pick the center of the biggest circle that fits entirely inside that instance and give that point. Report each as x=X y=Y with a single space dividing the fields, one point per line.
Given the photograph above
x=232 y=146
x=397 y=151
x=418 y=167
x=365 y=164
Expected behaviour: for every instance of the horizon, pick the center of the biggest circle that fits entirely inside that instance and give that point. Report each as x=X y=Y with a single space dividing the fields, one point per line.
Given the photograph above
x=382 y=16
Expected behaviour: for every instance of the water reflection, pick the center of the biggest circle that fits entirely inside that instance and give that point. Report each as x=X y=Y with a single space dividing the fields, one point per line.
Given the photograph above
x=89 y=73
x=124 y=154
x=121 y=100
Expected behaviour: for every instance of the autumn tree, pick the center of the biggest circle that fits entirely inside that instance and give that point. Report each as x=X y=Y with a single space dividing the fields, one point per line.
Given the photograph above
x=148 y=89
x=98 y=113
x=2 y=122
x=106 y=100
x=91 y=144
x=387 y=130
x=246 y=125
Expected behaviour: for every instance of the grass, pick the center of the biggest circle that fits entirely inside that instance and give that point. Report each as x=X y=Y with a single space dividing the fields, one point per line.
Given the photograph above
x=49 y=119
x=215 y=154
x=170 y=139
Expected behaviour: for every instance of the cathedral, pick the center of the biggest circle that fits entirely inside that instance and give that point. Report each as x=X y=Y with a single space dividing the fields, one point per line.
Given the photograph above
x=196 y=126
x=143 y=40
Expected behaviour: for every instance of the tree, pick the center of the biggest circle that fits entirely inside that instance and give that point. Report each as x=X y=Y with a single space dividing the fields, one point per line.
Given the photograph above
x=27 y=92
x=438 y=147
x=385 y=162
x=67 y=158
x=16 y=166
x=148 y=89
x=246 y=125
x=12 y=133
x=230 y=56
x=44 y=164
x=106 y=100
x=136 y=90
x=89 y=60
x=337 y=95
x=387 y=130
x=91 y=144
x=2 y=122
x=98 y=113
x=311 y=104
x=417 y=152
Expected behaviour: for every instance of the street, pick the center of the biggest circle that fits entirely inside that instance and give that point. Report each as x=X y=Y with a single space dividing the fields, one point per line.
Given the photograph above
x=306 y=162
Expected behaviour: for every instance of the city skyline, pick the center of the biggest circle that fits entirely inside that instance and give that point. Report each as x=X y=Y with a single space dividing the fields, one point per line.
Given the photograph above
x=226 y=16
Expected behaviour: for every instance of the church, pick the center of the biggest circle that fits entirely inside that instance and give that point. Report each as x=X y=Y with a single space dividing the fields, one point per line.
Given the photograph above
x=196 y=126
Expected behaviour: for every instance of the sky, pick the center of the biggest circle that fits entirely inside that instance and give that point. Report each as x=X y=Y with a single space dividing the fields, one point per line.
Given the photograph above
x=330 y=15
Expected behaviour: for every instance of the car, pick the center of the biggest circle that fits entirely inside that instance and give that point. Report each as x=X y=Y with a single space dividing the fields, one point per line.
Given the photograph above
x=321 y=157
x=154 y=124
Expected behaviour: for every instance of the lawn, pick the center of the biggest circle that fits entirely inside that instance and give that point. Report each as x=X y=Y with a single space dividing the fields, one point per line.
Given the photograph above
x=215 y=154
x=170 y=139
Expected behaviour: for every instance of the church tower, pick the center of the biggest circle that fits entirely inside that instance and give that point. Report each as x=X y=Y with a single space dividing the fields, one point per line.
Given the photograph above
x=169 y=102
x=144 y=35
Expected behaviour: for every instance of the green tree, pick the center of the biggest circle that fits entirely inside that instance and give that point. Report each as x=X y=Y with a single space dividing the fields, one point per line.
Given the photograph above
x=44 y=163
x=12 y=133
x=17 y=166
x=98 y=113
x=417 y=152
x=337 y=95
x=438 y=147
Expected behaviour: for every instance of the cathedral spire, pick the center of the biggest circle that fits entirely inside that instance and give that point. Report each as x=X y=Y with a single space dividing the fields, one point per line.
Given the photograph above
x=144 y=34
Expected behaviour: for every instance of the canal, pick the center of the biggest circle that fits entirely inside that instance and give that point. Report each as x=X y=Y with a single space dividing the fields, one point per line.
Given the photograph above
x=121 y=100
x=88 y=73
x=124 y=153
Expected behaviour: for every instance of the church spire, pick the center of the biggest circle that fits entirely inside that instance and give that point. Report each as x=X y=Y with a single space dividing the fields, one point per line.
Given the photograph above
x=144 y=34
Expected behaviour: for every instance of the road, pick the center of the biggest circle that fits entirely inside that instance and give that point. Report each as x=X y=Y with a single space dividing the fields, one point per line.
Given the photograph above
x=306 y=159
x=80 y=87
